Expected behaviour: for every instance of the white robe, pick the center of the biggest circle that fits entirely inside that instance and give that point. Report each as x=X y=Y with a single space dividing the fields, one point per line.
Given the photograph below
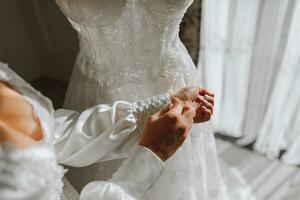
x=80 y=139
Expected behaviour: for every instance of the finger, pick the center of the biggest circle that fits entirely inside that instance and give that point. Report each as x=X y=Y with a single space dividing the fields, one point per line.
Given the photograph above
x=177 y=107
x=160 y=113
x=207 y=112
x=203 y=102
x=205 y=109
x=200 y=99
x=206 y=92
x=193 y=91
x=165 y=110
x=210 y=99
x=208 y=105
x=155 y=116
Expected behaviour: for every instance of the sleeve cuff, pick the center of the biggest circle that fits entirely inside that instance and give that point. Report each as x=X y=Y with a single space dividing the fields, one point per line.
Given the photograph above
x=153 y=154
x=143 y=109
x=139 y=172
x=151 y=104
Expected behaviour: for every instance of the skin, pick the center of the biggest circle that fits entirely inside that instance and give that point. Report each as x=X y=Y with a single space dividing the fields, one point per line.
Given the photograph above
x=17 y=116
x=202 y=100
x=164 y=132
x=167 y=129
x=19 y=139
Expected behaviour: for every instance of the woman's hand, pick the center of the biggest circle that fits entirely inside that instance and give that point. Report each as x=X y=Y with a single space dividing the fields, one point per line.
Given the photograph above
x=17 y=114
x=167 y=129
x=203 y=101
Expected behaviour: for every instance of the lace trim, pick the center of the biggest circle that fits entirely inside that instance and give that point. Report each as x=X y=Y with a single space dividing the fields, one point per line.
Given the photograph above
x=151 y=105
x=35 y=167
x=6 y=74
x=143 y=109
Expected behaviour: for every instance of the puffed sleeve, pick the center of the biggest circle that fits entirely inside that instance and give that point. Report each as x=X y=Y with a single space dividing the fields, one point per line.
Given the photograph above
x=30 y=174
x=103 y=132
x=134 y=177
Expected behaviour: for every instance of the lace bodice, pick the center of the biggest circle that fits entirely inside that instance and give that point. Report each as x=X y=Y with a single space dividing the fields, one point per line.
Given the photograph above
x=126 y=42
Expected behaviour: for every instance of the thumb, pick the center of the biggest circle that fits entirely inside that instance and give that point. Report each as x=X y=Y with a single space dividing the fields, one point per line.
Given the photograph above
x=177 y=106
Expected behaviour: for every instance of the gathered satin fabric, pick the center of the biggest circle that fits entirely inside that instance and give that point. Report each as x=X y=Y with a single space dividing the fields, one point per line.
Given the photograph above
x=102 y=132
x=33 y=174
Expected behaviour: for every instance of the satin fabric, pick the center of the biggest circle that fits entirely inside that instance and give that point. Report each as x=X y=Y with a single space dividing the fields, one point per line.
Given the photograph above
x=22 y=172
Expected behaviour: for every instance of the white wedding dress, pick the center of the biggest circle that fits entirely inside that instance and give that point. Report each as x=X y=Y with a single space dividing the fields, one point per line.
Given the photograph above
x=33 y=173
x=130 y=50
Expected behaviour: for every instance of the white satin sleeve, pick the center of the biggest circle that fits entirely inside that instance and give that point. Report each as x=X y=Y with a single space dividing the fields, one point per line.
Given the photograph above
x=31 y=174
x=103 y=132
x=134 y=177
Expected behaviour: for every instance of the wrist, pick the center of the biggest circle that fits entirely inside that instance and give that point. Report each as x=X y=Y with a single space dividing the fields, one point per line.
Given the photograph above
x=163 y=156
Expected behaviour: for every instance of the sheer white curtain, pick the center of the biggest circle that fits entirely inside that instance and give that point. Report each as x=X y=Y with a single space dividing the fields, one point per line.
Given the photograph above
x=250 y=58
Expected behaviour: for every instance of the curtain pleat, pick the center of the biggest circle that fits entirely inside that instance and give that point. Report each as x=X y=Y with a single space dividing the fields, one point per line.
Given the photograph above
x=250 y=58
